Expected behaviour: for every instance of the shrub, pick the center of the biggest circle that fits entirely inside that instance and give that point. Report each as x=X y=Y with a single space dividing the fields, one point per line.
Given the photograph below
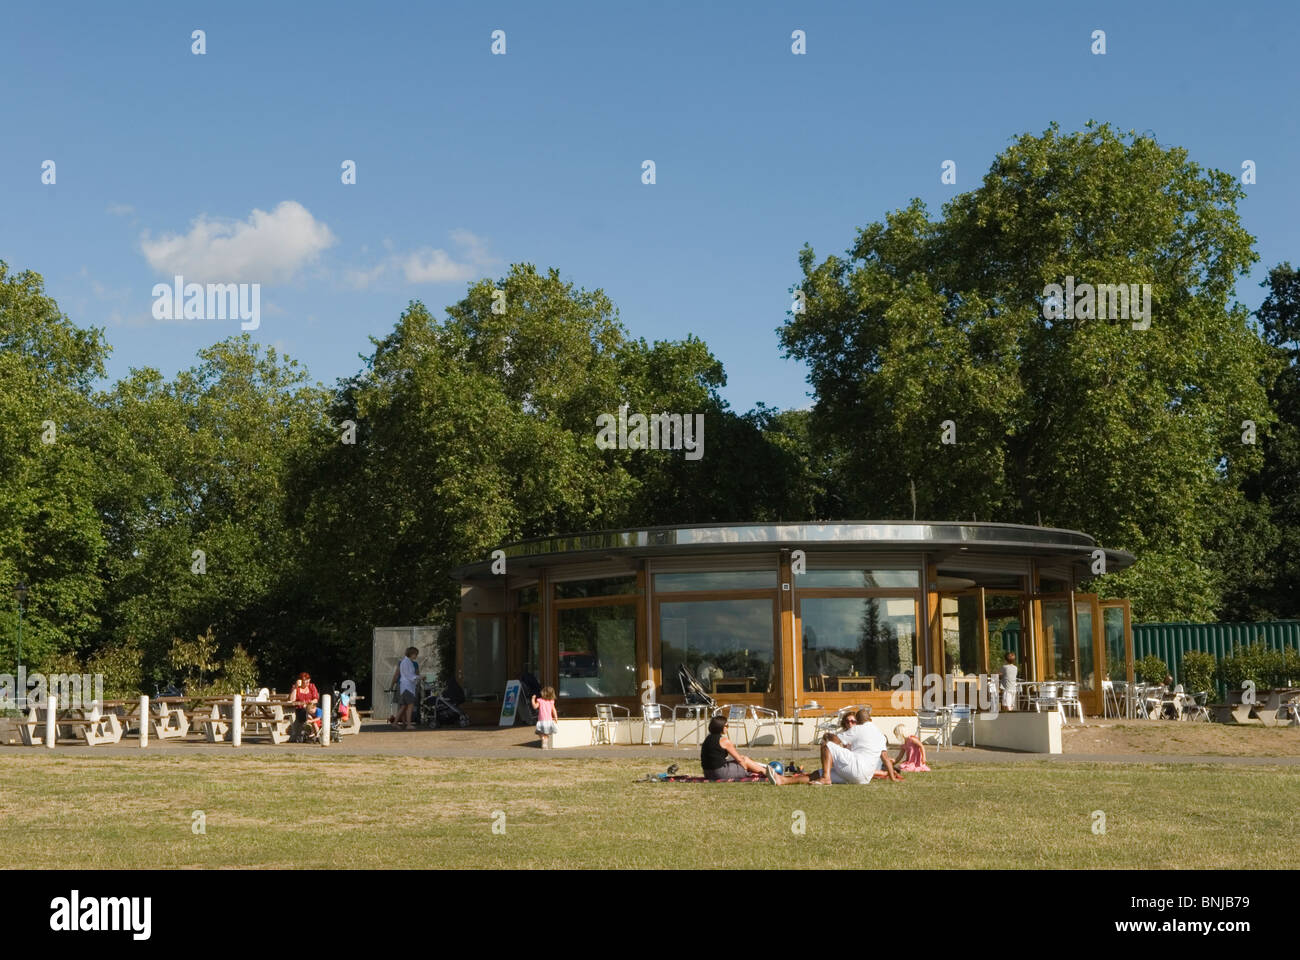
x=1151 y=669
x=1198 y=671
x=123 y=668
x=239 y=673
x=1259 y=665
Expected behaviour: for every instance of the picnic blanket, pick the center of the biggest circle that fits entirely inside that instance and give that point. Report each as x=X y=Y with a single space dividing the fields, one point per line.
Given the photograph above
x=680 y=778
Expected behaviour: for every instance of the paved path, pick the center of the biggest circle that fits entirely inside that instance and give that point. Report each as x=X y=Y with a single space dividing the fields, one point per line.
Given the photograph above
x=521 y=743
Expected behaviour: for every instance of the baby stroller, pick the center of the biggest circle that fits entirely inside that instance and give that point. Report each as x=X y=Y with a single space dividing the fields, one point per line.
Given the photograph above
x=693 y=690
x=443 y=709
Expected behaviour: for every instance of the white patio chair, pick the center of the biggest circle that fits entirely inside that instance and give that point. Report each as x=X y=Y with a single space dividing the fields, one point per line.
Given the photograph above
x=831 y=724
x=736 y=714
x=1068 y=701
x=1194 y=706
x=652 y=718
x=1109 y=699
x=959 y=713
x=933 y=722
x=766 y=717
x=604 y=728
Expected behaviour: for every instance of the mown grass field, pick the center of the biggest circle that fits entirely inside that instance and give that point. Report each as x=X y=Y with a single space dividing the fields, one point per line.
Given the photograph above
x=333 y=811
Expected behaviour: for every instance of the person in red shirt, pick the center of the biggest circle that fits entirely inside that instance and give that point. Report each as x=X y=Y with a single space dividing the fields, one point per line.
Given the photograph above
x=304 y=699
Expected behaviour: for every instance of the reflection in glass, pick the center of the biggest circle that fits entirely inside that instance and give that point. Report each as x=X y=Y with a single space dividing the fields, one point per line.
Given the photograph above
x=597 y=651
x=1057 y=640
x=857 y=579
x=720 y=640
x=604 y=587
x=484 y=657
x=716 y=580
x=1112 y=619
x=1083 y=630
x=857 y=636
x=961 y=634
x=1003 y=613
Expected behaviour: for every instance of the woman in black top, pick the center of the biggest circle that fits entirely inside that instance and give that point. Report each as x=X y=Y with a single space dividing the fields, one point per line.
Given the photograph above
x=719 y=758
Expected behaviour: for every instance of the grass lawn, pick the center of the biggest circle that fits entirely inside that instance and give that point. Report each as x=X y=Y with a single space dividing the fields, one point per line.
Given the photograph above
x=384 y=812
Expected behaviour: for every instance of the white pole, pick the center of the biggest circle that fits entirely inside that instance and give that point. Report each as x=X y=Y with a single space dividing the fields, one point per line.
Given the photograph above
x=325 y=720
x=51 y=731
x=144 y=720
x=237 y=721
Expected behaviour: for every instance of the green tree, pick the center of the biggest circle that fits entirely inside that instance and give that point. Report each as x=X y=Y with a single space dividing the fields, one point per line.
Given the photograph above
x=1261 y=553
x=1131 y=435
x=50 y=535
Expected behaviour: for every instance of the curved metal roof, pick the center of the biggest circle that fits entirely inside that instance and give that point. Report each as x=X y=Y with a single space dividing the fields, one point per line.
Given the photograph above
x=943 y=538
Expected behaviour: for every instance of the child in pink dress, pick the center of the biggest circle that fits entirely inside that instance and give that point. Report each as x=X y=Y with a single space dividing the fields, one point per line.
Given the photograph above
x=544 y=704
x=912 y=755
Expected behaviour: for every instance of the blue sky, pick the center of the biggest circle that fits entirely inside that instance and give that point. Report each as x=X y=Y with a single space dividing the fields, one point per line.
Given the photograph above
x=467 y=162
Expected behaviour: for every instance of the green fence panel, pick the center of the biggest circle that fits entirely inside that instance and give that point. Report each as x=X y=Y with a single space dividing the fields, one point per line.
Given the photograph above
x=1169 y=641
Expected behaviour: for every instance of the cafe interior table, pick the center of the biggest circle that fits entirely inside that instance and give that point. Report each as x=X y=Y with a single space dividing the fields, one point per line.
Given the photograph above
x=855 y=683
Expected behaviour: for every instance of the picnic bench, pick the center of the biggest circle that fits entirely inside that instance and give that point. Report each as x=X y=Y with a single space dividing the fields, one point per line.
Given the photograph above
x=94 y=730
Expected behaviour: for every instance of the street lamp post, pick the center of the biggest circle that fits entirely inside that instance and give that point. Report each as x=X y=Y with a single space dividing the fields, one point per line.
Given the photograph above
x=20 y=594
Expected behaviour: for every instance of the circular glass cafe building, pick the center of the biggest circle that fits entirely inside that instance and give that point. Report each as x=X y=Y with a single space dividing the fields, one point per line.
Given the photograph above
x=776 y=615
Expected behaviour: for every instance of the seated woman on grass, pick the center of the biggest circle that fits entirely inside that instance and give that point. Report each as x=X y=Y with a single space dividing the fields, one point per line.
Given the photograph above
x=719 y=758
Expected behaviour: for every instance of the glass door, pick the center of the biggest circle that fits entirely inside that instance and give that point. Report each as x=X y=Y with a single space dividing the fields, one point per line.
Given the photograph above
x=1117 y=639
x=1091 y=652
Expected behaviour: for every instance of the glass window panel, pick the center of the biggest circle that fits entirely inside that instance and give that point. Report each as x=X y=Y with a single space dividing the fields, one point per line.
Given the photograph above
x=604 y=587
x=532 y=628
x=858 y=578
x=1056 y=636
x=528 y=596
x=728 y=641
x=716 y=580
x=483 y=657
x=1003 y=613
x=1112 y=619
x=1083 y=630
x=961 y=634
x=597 y=651
x=857 y=636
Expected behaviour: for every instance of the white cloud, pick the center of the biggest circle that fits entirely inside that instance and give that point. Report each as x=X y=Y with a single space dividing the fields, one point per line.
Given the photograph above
x=429 y=265
x=265 y=248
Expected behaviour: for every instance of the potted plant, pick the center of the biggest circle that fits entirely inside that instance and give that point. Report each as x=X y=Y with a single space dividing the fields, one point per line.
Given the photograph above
x=1198 y=672
x=1151 y=669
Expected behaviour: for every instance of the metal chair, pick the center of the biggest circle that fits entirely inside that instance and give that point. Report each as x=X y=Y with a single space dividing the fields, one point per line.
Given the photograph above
x=1048 y=696
x=736 y=713
x=958 y=713
x=1194 y=706
x=766 y=717
x=652 y=718
x=831 y=724
x=1069 y=700
x=604 y=728
x=936 y=722
x=1109 y=699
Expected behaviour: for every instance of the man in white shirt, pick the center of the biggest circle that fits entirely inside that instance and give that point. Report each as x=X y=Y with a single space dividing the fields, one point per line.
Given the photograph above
x=851 y=756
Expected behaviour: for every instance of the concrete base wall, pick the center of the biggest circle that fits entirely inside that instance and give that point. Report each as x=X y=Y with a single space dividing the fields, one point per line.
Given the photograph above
x=1026 y=732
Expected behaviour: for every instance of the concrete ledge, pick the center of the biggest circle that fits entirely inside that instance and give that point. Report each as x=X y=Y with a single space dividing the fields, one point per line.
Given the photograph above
x=1026 y=731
